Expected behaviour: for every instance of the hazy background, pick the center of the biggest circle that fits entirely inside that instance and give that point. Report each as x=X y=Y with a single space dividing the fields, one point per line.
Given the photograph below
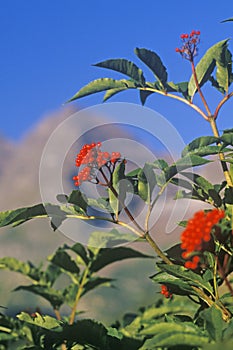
x=47 y=49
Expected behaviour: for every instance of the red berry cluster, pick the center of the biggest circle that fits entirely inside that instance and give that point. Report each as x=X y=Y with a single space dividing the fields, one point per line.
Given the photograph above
x=189 y=47
x=165 y=291
x=198 y=231
x=92 y=156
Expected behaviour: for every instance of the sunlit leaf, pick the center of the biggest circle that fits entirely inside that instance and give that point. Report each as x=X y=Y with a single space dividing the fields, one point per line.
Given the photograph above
x=21 y=215
x=172 y=338
x=224 y=69
x=102 y=239
x=111 y=92
x=46 y=322
x=98 y=85
x=206 y=66
x=214 y=323
x=199 y=143
x=186 y=162
x=25 y=268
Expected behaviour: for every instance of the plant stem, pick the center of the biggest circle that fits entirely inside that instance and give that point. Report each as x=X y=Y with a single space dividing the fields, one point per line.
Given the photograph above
x=159 y=252
x=124 y=224
x=128 y=213
x=226 y=315
x=215 y=278
x=221 y=155
x=212 y=120
x=221 y=103
x=181 y=99
x=142 y=234
x=78 y=295
x=57 y=314
x=199 y=89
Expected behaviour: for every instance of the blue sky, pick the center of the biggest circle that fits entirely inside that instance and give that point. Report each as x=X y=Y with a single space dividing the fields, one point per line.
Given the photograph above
x=48 y=46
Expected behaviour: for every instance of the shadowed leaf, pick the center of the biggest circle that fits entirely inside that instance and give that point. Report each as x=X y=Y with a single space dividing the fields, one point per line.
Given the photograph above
x=124 y=66
x=153 y=61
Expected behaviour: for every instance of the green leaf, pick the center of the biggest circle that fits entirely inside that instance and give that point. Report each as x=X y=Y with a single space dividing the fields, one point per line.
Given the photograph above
x=215 y=84
x=100 y=239
x=108 y=256
x=228 y=195
x=79 y=200
x=146 y=182
x=227 y=20
x=129 y=84
x=101 y=203
x=175 y=252
x=111 y=92
x=172 y=339
x=117 y=197
x=53 y=296
x=160 y=164
x=192 y=278
x=92 y=335
x=206 y=66
x=202 y=190
x=199 y=143
x=168 y=327
x=50 y=275
x=46 y=322
x=98 y=85
x=124 y=66
x=224 y=69
x=18 y=216
x=64 y=261
x=95 y=282
x=227 y=138
x=186 y=162
x=79 y=249
x=226 y=345
x=199 y=180
x=27 y=269
x=143 y=95
x=214 y=323
x=153 y=61
x=167 y=307
x=180 y=87
x=175 y=284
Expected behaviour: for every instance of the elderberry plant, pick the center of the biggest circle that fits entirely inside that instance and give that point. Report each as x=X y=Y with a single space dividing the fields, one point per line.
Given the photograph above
x=195 y=274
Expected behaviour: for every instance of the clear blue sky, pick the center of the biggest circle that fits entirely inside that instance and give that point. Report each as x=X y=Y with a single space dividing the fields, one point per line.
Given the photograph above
x=48 y=46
